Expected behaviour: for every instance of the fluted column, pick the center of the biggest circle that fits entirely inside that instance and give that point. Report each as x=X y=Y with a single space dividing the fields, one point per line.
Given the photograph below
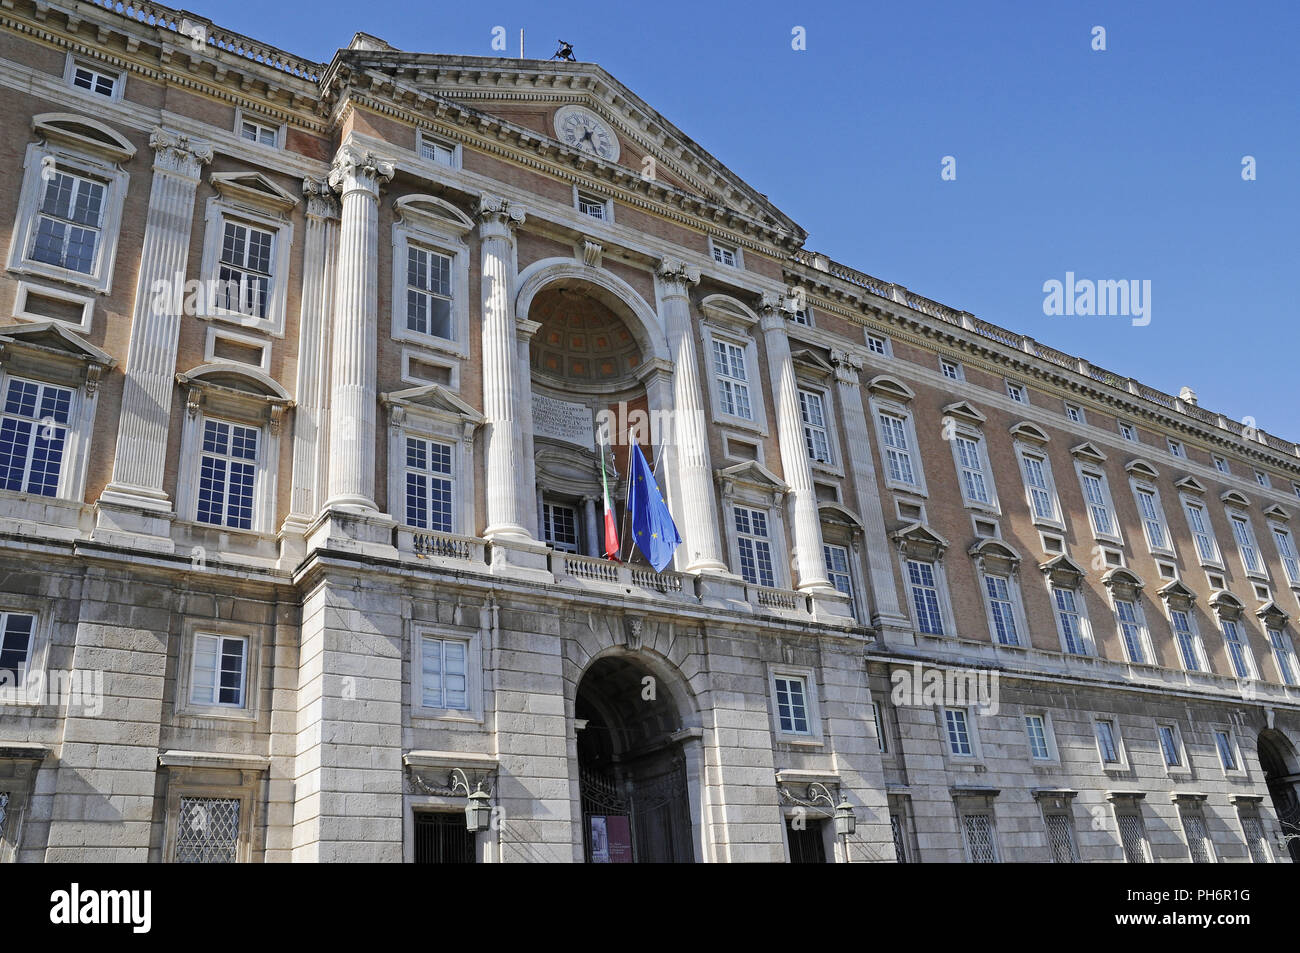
x=357 y=177
x=155 y=326
x=698 y=522
x=886 y=610
x=502 y=385
x=808 y=557
x=311 y=426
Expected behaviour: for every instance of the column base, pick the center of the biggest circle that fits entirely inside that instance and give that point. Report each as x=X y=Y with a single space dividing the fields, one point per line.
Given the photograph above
x=830 y=605
x=893 y=630
x=520 y=558
x=353 y=529
x=136 y=517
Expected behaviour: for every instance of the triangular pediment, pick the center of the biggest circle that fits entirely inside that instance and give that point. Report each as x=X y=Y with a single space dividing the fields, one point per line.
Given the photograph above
x=1233 y=498
x=1088 y=451
x=918 y=540
x=1177 y=593
x=1063 y=571
x=1277 y=512
x=812 y=361
x=53 y=338
x=518 y=102
x=1191 y=485
x=1272 y=615
x=253 y=188
x=434 y=398
x=752 y=473
x=965 y=411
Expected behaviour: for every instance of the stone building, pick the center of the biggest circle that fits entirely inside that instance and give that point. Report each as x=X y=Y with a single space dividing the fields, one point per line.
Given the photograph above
x=300 y=530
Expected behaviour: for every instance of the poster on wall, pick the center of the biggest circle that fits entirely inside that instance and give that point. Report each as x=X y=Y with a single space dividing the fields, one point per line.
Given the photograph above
x=599 y=840
x=618 y=838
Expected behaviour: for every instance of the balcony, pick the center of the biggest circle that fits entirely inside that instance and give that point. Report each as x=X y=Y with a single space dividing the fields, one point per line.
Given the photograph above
x=587 y=572
x=454 y=552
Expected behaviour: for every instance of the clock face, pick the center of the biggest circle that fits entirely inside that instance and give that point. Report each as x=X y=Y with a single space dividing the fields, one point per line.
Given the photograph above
x=582 y=129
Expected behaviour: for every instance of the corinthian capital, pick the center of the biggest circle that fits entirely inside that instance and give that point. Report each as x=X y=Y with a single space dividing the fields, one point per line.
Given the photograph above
x=355 y=170
x=178 y=153
x=677 y=276
x=498 y=215
x=847 y=366
x=320 y=199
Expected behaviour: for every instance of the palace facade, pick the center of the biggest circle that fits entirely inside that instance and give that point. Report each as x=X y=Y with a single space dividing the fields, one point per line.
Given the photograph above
x=309 y=375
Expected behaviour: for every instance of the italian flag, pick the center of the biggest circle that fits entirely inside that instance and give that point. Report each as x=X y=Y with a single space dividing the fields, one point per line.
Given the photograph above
x=612 y=547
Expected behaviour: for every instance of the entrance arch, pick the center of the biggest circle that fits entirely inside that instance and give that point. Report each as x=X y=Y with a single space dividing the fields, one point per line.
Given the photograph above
x=633 y=715
x=1277 y=759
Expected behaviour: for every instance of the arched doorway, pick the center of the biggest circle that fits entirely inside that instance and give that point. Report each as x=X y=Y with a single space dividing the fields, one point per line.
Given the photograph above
x=632 y=766
x=1277 y=759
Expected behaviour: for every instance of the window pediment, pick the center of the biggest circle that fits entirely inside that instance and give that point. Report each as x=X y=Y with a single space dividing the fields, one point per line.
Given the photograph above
x=1233 y=498
x=840 y=515
x=1177 y=595
x=918 y=541
x=432 y=400
x=995 y=556
x=237 y=391
x=255 y=189
x=51 y=338
x=1226 y=604
x=1272 y=615
x=84 y=135
x=429 y=211
x=753 y=475
x=1063 y=572
x=1191 y=485
x=1124 y=583
x=1277 y=512
x=882 y=385
x=1088 y=451
x=966 y=412
x=812 y=363
x=1027 y=431
x=1140 y=467
x=727 y=311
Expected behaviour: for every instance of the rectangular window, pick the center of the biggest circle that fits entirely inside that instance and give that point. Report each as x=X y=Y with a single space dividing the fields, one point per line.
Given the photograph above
x=958 y=732
x=970 y=466
x=898 y=827
x=444 y=673
x=428 y=292
x=561 y=525
x=1284 y=655
x=925 y=597
x=1133 y=837
x=1246 y=544
x=94 y=80
x=1036 y=729
x=1067 y=616
x=591 y=205
x=244 y=270
x=754 y=545
x=1199 y=522
x=219 y=671
x=1131 y=630
x=1041 y=495
x=792 y=704
x=69 y=222
x=951 y=370
x=429 y=485
x=880 y=727
x=1153 y=521
x=1074 y=412
x=16 y=638
x=841 y=577
x=998 y=591
x=1227 y=752
x=1060 y=837
x=1106 y=744
x=724 y=255
x=878 y=345
x=1169 y=746
x=1237 y=650
x=33 y=434
x=227 y=474
x=1253 y=831
x=1128 y=431
x=733 y=379
x=207 y=830
x=259 y=133
x=1017 y=393
x=1286 y=549
x=1221 y=465
x=1100 y=513
x=803 y=316
x=979 y=838
x=816 y=440
x=1262 y=479
x=439 y=153
x=1177 y=449
x=1186 y=638
x=1198 y=839
x=898 y=453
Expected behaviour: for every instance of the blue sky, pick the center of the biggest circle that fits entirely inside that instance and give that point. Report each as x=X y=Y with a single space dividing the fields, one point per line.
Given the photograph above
x=1122 y=164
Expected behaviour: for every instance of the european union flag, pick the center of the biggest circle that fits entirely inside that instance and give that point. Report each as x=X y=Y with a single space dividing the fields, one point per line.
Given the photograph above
x=653 y=529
